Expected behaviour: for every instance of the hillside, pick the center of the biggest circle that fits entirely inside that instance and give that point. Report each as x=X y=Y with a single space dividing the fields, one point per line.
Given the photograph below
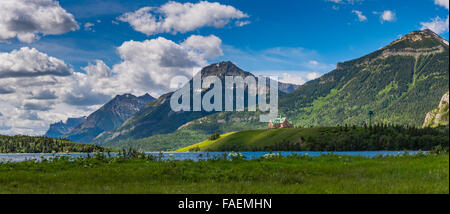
x=29 y=144
x=439 y=115
x=375 y=138
x=108 y=117
x=400 y=83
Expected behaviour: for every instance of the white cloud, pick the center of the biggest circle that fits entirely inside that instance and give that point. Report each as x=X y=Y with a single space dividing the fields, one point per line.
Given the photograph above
x=150 y=65
x=88 y=26
x=292 y=77
x=174 y=17
x=28 y=62
x=312 y=75
x=443 y=3
x=438 y=25
x=242 y=23
x=313 y=62
x=27 y=19
x=29 y=103
x=37 y=89
x=99 y=69
x=388 y=16
x=360 y=15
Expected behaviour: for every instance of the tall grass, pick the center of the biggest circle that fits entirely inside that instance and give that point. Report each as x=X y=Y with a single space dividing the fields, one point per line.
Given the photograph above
x=140 y=173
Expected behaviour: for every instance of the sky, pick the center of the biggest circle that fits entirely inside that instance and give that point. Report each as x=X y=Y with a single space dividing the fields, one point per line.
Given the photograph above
x=66 y=58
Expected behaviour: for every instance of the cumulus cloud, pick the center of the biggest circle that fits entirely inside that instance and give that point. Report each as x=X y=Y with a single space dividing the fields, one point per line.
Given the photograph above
x=45 y=94
x=151 y=64
x=37 y=89
x=6 y=90
x=174 y=17
x=443 y=3
x=27 y=19
x=360 y=15
x=99 y=69
x=38 y=106
x=437 y=24
x=388 y=16
x=30 y=116
x=292 y=77
x=27 y=62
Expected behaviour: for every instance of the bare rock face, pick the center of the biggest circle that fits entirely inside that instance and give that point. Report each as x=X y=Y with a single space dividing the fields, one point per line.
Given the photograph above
x=57 y=130
x=108 y=117
x=439 y=116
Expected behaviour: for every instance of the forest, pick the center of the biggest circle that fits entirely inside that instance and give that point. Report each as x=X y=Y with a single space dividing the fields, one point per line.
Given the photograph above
x=29 y=144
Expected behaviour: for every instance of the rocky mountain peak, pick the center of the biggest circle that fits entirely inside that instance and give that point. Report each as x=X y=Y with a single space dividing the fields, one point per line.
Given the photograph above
x=223 y=69
x=423 y=38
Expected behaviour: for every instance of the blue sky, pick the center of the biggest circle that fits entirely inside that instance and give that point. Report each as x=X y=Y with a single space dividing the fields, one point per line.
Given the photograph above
x=324 y=31
x=72 y=56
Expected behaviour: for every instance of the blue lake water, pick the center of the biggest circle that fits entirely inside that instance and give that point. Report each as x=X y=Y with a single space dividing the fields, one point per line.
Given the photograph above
x=196 y=156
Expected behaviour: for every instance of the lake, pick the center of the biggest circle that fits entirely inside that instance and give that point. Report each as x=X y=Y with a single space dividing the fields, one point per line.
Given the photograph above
x=196 y=156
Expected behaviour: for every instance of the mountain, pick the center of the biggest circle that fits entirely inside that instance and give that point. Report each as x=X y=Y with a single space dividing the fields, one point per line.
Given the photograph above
x=399 y=83
x=439 y=115
x=158 y=118
x=109 y=117
x=57 y=130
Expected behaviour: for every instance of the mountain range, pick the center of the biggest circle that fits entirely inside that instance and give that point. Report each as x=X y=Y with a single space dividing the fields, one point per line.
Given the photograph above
x=109 y=117
x=158 y=118
x=399 y=83
x=57 y=130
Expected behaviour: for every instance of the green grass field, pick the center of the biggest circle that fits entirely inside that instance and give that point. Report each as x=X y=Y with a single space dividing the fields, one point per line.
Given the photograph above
x=322 y=175
x=396 y=138
x=204 y=144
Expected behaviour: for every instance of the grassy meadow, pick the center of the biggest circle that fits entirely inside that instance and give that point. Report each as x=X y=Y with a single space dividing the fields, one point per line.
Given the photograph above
x=341 y=138
x=330 y=174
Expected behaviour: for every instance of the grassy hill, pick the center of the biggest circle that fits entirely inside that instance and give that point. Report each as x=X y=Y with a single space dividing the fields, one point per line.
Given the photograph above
x=204 y=144
x=329 y=139
x=29 y=144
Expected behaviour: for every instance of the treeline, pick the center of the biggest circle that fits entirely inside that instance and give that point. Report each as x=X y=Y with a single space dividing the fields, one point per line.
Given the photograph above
x=28 y=144
x=374 y=138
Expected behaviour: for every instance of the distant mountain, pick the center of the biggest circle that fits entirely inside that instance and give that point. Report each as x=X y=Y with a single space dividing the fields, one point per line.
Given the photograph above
x=108 y=117
x=400 y=83
x=439 y=115
x=287 y=87
x=57 y=130
x=158 y=118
